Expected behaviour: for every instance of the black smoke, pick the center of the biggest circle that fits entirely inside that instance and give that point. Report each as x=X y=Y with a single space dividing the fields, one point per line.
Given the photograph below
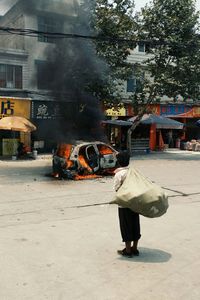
x=71 y=69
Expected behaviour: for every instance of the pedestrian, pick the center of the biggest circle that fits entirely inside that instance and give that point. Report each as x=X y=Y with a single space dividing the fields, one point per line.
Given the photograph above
x=21 y=150
x=170 y=139
x=129 y=221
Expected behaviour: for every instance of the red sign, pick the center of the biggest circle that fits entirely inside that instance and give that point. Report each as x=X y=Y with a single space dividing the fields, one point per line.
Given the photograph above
x=180 y=111
x=151 y=109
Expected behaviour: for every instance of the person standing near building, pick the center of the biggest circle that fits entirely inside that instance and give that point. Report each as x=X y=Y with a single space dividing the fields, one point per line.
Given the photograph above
x=170 y=139
x=21 y=150
x=129 y=221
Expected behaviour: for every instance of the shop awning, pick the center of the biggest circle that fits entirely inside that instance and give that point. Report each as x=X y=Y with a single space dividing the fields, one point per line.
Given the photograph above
x=16 y=123
x=198 y=123
x=160 y=121
x=118 y=122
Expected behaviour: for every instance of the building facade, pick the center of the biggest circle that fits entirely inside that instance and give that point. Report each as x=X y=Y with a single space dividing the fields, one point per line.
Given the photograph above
x=22 y=58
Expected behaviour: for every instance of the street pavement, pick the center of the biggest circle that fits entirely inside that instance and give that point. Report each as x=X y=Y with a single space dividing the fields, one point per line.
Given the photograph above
x=57 y=243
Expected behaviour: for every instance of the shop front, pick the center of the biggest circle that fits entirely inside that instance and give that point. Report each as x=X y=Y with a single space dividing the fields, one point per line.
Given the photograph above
x=171 y=137
x=116 y=127
x=187 y=114
x=9 y=140
x=45 y=115
x=153 y=126
x=158 y=138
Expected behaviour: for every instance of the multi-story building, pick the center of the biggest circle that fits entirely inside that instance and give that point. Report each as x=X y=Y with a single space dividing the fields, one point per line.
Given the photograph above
x=22 y=57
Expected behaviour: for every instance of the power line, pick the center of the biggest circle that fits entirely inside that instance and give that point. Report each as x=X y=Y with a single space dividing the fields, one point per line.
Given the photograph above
x=59 y=35
x=36 y=33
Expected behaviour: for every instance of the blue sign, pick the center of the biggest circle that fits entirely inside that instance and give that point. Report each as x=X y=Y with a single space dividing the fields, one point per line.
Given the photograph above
x=173 y=110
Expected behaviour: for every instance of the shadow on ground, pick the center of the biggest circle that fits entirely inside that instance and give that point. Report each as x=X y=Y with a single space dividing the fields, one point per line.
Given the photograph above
x=150 y=256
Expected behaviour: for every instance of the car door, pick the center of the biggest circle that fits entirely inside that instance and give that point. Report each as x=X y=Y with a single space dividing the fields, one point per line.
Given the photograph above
x=92 y=156
x=107 y=156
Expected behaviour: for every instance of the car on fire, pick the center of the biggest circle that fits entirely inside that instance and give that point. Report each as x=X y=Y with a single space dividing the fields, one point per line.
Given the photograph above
x=84 y=159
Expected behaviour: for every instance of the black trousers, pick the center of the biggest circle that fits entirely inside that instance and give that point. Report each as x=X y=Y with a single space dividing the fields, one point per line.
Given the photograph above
x=129 y=222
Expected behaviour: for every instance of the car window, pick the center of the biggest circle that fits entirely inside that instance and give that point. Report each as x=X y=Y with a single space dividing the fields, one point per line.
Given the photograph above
x=91 y=152
x=92 y=156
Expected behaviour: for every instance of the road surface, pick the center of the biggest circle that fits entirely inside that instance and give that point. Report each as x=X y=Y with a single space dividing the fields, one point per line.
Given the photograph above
x=52 y=247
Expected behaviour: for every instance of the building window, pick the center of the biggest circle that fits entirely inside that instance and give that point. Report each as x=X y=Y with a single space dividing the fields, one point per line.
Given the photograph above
x=141 y=47
x=10 y=76
x=131 y=85
x=49 y=24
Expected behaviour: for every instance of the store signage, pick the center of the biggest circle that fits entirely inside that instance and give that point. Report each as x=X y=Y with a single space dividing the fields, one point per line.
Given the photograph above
x=196 y=111
x=151 y=109
x=45 y=110
x=116 y=112
x=183 y=111
x=10 y=106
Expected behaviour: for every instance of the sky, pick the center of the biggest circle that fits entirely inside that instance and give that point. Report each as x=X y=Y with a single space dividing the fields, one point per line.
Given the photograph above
x=141 y=3
x=5 y=4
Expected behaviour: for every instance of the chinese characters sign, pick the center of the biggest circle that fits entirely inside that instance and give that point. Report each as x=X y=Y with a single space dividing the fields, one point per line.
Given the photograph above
x=14 y=107
x=168 y=110
x=45 y=110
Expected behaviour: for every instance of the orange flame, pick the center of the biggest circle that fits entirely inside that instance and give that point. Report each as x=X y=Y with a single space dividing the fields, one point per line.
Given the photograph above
x=83 y=177
x=84 y=164
x=64 y=150
x=105 y=150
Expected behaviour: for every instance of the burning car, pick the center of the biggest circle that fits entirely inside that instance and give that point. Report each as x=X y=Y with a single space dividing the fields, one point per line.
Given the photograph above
x=83 y=160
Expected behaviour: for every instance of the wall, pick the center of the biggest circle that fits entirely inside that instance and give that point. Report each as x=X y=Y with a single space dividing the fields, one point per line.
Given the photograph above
x=14 y=19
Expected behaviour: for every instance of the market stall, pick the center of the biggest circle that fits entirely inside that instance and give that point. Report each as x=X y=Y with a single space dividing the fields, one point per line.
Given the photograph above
x=157 y=126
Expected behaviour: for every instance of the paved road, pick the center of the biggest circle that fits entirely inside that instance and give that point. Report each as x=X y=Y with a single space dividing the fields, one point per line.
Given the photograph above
x=51 y=248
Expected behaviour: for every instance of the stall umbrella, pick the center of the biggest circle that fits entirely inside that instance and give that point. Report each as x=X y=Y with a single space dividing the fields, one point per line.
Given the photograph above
x=198 y=123
x=16 y=123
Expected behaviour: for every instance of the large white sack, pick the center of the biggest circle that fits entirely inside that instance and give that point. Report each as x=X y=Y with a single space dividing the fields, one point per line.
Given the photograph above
x=141 y=195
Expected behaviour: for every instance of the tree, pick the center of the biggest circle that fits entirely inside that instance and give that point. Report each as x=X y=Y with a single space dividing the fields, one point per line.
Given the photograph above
x=172 y=27
x=114 y=25
x=169 y=30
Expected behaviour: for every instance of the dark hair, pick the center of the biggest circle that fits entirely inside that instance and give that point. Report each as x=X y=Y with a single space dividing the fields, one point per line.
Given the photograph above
x=123 y=158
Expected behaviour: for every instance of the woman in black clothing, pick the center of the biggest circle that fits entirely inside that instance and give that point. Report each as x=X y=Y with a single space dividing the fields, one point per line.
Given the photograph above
x=129 y=221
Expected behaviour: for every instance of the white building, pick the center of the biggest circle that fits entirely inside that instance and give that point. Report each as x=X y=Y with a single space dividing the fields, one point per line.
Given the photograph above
x=22 y=57
x=57 y=18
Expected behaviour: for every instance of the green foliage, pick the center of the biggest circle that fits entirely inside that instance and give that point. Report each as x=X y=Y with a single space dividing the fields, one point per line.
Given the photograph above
x=171 y=28
x=176 y=57
x=113 y=21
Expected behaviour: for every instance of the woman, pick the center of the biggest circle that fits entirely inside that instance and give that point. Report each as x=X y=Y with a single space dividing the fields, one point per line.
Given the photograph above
x=129 y=221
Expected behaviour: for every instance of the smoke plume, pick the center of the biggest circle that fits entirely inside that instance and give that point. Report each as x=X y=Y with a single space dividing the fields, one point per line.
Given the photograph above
x=71 y=68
